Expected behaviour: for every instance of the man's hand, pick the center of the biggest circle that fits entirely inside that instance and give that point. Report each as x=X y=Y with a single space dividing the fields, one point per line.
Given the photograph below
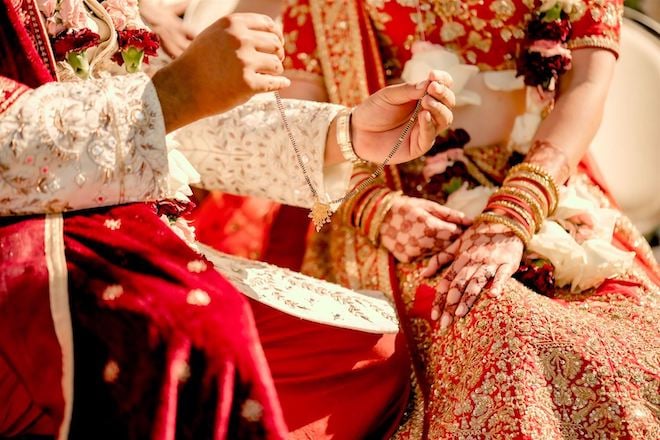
x=165 y=20
x=229 y=62
x=378 y=122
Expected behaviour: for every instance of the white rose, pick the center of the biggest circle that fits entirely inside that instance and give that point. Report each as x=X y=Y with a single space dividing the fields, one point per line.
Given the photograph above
x=604 y=261
x=470 y=202
x=427 y=57
x=181 y=172
x=566 y=255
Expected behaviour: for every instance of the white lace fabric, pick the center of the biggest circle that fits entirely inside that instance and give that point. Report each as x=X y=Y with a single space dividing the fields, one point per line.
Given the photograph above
x=247 y=151
x=80 y=145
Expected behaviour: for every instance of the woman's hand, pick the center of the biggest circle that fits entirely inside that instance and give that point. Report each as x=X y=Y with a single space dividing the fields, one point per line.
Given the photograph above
x=377 y=123
x=165 y=20
x=415 y=227
x=485 y=256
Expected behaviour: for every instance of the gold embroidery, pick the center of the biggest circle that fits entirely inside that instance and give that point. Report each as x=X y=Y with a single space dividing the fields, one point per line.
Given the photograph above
x=198 y=297
x=595 y=41
x=342 y=61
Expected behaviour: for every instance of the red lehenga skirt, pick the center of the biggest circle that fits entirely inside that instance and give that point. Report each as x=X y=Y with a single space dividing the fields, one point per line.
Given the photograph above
x=524 y=365
x=163 y=346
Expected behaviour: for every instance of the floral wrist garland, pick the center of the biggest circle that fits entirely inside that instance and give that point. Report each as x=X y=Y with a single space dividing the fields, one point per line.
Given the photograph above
x=72 y=31
x=546 y=56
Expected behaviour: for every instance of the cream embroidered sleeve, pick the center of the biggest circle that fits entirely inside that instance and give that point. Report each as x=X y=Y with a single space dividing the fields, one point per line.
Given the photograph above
x=247 y=151
x=67 y=146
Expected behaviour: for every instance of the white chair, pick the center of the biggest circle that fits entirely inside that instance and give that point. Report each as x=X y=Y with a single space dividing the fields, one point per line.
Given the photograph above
x=627 y=145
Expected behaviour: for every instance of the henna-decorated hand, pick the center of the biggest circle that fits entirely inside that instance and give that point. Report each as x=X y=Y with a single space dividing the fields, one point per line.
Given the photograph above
x=485 y=256
x=414 y=227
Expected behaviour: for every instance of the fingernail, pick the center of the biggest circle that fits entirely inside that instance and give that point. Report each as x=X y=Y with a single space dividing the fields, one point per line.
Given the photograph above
x=445 y=321
x=435 y=314
x=427 y=116
x=461 y=310
x=421 y=85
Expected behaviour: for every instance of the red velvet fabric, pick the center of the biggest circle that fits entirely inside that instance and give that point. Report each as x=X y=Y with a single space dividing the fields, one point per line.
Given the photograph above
x=333 y=382
x=164 y=346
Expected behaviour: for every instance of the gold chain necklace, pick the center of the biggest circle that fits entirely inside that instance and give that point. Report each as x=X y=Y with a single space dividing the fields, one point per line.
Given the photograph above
x=321 y=211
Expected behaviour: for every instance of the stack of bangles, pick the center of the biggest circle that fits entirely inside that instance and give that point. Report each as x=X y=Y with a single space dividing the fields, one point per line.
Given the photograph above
x=367 y=209
x=528 y=195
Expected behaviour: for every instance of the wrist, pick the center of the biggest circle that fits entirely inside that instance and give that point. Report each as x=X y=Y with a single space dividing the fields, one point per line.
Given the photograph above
x=175 y=96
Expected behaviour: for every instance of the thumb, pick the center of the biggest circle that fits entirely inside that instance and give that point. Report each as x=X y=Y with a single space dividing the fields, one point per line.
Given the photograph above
x=403 y=93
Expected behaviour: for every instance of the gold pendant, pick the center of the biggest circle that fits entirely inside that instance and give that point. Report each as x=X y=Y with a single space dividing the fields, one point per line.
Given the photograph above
x=320 y=214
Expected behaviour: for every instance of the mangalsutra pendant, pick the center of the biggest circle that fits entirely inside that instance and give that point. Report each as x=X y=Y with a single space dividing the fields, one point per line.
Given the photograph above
x=320 y=214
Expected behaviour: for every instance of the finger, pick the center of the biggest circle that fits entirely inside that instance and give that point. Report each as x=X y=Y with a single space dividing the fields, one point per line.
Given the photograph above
x=258 y=22
x=440 y=298
x=442 y=77
x=267 y=42
x=473 y=290
x=436 y=262
x=265 y=63
x=445 y=321
x=503 y=274
x=261 y=83
x=441 y=114
x=447 y=214
x=443 y=230
x=178 y=8
x=402 y=93
x=457 y=288
x=442 y=93
x=427 y=131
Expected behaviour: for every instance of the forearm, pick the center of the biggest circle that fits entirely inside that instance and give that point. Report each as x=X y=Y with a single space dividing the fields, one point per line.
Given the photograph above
x=569 y=129
x=248 y=151
x=68 y=146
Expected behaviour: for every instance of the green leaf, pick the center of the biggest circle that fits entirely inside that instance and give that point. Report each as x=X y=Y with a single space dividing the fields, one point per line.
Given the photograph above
x=78 y=61
x=552 y=14
x=133 y=59
x=454 y=184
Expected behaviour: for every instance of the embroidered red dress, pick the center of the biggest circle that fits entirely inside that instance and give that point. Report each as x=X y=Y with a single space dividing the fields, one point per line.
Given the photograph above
x=524 y=366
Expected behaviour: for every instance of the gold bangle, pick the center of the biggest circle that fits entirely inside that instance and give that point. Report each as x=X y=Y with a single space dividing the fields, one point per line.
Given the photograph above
x=538 y=170
x=364 y=203
x=534 y=191
x=512 y=225
x=381 y=212
x=533 y=204
x=371 y=204
x=551 y=196
x=344 y=136
x=526 y=215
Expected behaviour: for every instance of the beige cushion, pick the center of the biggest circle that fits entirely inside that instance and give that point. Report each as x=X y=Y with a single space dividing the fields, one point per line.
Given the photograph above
x=627 y=146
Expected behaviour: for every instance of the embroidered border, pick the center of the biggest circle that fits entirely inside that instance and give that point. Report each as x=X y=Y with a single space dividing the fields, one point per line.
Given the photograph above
x=10 y=91
x=33 y=22
x=595 y=41
x=60 y=310
x=342 y=61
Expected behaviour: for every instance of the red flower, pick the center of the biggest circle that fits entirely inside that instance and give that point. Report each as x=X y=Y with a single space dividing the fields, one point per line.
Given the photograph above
x=451 y=139
x=538 y=275
x=173 y=208
x=539 y=70
x=73 y=40
x=140 y=39
x=557 y=30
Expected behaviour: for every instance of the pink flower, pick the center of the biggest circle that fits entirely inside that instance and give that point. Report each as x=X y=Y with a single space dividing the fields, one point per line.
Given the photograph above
x=54 y=26
x=549 y=48
x=121 y=12
x=47 y=7
x=73 y=13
